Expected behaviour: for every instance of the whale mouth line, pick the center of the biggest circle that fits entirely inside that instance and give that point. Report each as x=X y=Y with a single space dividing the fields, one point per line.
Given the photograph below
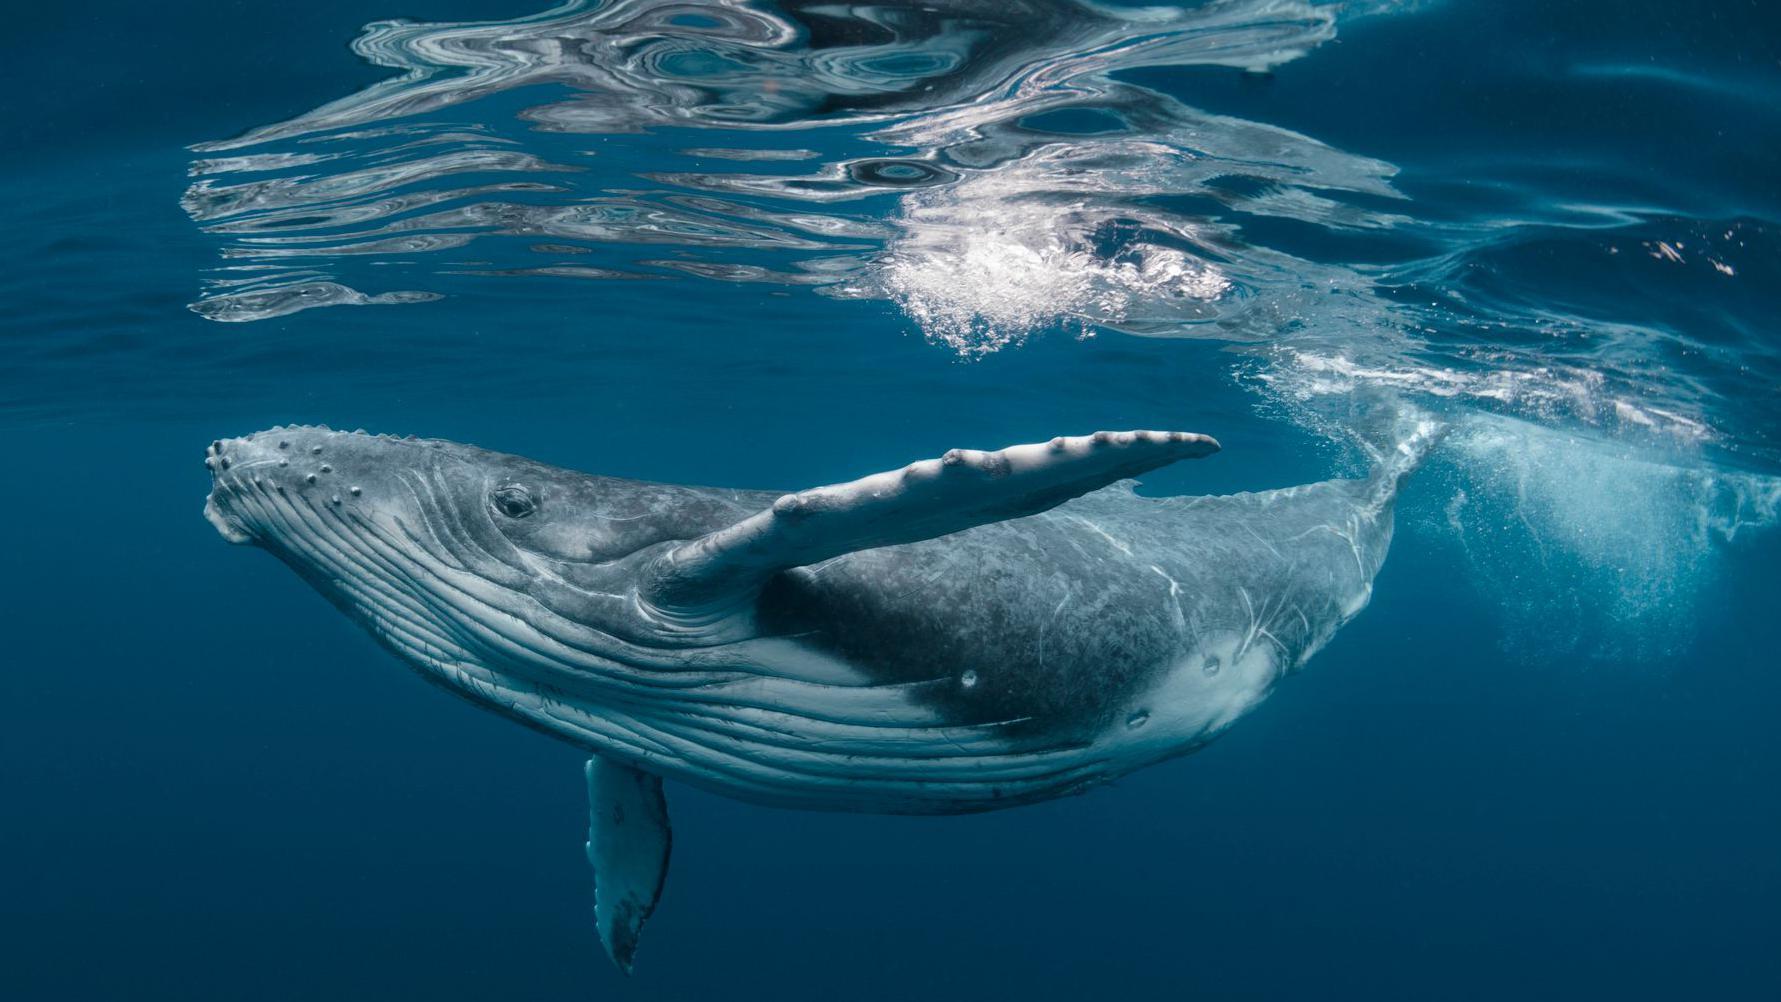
x=225 y=528
x=357 y=571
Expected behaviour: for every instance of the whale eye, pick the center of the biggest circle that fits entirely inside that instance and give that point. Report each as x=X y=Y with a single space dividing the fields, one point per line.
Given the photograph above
x=513 y=501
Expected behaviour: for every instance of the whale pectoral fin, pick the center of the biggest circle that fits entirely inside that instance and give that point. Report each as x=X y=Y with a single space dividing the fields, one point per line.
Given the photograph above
x=627 y=843
x=703 y=579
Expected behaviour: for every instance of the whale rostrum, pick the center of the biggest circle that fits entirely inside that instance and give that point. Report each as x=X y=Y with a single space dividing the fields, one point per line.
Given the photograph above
x=966 y=633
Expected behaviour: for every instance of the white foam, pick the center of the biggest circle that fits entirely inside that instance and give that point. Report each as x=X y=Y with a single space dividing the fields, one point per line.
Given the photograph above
x=1589 y=545
x=1539 y=391
x=979 y=270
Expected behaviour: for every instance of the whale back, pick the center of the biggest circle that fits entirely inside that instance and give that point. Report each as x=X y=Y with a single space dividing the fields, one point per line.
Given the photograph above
x=1063 y=620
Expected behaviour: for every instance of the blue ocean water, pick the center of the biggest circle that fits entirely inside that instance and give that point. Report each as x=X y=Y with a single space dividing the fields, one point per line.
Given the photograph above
x=779 y=245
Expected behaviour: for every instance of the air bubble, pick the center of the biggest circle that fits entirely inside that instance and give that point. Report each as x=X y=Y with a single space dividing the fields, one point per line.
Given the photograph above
x=1211 y=666
x=968 y=679
x=1137 y=720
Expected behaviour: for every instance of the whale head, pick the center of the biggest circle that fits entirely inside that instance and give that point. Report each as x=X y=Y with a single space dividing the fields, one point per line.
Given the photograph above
x=449 y=552
x=446 y=552
x=403 y=534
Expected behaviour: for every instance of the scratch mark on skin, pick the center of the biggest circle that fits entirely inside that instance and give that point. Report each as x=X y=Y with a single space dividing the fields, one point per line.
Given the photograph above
x=1045 y=631
x=816 y=570
x=1174 y=599
x=1116 y=544
x=1351 y=536
x=1249 y=636
x=621 y=518
x=1264 y=541
x=1258 y=620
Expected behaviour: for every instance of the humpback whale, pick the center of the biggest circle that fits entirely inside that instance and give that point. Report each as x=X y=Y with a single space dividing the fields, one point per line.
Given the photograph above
x=977 y=631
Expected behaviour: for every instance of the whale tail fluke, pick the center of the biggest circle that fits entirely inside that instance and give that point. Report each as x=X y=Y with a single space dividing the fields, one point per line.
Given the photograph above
x=1396 y=447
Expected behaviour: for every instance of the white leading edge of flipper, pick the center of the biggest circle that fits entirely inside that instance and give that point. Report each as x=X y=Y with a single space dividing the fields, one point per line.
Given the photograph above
x=705 y=580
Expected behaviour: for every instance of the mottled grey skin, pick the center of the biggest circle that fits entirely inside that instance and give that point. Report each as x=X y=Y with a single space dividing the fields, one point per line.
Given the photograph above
x=1069 y=617
x=1003 y=664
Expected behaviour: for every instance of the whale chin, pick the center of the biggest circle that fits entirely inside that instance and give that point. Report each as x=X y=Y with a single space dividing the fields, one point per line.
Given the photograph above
x=225 y=528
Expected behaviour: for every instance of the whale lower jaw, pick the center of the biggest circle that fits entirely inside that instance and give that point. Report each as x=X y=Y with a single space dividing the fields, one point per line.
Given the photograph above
x=226 y=529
